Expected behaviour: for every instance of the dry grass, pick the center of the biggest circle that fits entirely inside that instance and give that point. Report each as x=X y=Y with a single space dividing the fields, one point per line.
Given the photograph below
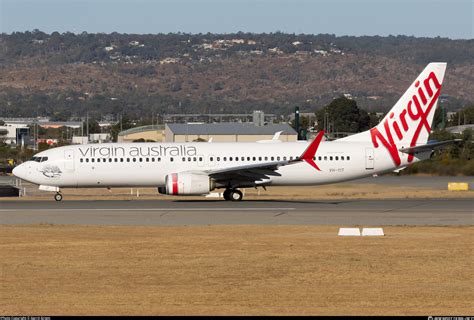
x=235 y=270
x=336 y=191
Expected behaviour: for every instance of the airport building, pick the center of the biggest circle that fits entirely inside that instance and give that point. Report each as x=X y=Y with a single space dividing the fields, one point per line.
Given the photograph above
x=227 y=132
x=219 y=132
x=148 y=133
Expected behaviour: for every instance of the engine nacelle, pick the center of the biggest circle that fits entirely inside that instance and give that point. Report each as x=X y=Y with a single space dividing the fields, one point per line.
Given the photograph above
x=187 y=184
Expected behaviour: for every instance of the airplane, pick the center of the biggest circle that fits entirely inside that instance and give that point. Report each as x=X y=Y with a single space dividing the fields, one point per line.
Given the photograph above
x=182 y=169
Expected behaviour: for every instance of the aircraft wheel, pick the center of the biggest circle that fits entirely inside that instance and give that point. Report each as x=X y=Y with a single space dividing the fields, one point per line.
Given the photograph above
x=58 y=197
x=226 y=194
x=236 y=195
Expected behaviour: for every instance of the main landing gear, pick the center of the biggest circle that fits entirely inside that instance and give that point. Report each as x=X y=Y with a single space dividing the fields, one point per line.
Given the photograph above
x=233 y=195
x=58 y=196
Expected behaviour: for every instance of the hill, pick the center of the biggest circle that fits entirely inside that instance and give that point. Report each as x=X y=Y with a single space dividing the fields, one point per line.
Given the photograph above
x=63 y=75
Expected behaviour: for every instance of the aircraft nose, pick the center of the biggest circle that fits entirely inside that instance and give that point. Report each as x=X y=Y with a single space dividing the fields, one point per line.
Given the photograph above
x=19 y=171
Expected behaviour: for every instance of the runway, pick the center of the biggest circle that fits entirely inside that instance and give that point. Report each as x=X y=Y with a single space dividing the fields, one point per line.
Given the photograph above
x=217 y=212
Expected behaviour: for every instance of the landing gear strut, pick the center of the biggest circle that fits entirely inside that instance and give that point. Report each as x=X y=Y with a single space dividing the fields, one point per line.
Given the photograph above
x=233 y=195
x=58 y=196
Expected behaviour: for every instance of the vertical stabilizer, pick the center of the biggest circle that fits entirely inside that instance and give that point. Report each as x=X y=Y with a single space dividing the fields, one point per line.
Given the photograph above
x=409 y=122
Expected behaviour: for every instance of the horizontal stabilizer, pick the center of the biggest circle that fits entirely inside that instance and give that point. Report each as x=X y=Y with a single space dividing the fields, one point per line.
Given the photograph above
x=428 y=146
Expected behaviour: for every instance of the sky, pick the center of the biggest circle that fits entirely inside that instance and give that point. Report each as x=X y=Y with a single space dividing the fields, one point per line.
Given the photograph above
x=421 y=18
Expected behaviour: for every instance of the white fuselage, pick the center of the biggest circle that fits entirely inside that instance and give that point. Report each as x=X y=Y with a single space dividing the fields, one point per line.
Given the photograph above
x=147 y=164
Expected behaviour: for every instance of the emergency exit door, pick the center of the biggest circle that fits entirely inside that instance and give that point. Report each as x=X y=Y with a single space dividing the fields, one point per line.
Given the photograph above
x=369 y=158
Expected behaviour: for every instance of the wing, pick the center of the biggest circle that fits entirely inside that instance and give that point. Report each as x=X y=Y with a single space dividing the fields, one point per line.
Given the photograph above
x=428 y=146
x=261 y=173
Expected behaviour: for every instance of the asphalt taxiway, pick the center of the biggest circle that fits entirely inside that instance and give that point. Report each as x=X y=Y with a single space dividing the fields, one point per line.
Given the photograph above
x=218 y=212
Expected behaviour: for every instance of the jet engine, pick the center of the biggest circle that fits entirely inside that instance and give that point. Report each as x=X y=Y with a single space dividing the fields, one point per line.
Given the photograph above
x=186 y=184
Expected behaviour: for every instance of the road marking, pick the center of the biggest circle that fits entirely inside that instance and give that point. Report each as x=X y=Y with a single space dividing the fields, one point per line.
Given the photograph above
x=145 y=209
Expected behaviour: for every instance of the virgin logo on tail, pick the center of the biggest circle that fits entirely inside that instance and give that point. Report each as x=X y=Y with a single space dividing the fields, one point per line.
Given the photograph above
x=414 y=114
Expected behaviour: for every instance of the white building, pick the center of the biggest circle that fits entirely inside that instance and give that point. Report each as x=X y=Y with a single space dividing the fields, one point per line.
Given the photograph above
x=14 y=131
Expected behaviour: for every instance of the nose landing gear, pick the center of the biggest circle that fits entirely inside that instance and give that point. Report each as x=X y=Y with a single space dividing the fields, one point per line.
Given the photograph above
x=232 y=195
x=58 y=196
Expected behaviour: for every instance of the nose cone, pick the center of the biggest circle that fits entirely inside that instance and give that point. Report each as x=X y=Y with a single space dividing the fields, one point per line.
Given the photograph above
x=19 y=171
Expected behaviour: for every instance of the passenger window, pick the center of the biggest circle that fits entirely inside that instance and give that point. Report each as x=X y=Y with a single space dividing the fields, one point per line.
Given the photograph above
x=348 y=158
x=284 y=158
x=159 y=159
x=189 y=159
x=342 y=157
x=147 y=159
x=81 y=160
x=194 y=159
x=87 y=160
x=248 y=158
x=211 y=159
x=266 y=158
x=319 y=158
x=254 y=158
x=184 y=159
x=121 y=159
x=242 y=158
x=314 y=158
x=278 y=158
x=92 y=160
x=291 y=157
x=225 y=158
x=115 y=160
x=171 y=159
x=152 y=159
x=141 y=159
x=325 y=158
x=259 y=158
x=134 y=159
x=273 y=158
x=200 y=158
x=218 y=159
x=104 y=160
x=128 y=159
x=330 y=158
x=110 y=159
x=337 y=158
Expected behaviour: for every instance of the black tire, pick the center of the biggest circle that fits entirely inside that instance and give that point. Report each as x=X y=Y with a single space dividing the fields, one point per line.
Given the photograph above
x=226 y=194
x=236 y=195
x=58 y=197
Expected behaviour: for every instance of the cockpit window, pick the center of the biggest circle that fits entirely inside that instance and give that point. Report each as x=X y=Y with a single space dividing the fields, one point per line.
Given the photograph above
x=43 y=159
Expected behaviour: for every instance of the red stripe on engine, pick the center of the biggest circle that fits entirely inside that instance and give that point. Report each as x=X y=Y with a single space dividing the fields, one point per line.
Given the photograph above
x=174 y=179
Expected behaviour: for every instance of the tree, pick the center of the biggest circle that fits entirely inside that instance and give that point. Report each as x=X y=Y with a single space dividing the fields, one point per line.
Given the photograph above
x=93 y=126
x=374 y=119
x=344 y=116
x=463 y=116
x=123 y=124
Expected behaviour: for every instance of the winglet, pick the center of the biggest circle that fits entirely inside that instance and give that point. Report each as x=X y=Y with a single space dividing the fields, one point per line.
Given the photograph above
x=309 y=153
